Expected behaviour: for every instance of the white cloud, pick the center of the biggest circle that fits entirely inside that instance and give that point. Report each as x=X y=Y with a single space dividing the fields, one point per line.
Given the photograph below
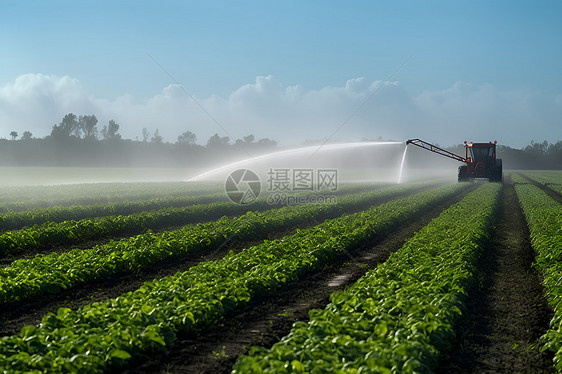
x=291 y=114
x=35 y=102
x=486 y=113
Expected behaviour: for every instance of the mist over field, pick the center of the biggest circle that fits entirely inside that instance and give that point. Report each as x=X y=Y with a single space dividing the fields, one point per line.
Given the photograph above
x=280 y=186
x=292 y=114
x=185 y=88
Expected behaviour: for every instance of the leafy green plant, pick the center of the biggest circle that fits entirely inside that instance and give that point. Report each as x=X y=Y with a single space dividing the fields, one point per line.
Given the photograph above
x=221 y=353
x=53 y=233
x=400 y=316
x=17 y=220
x=21 y=198
x=106 y=335
x=551 y=179
x=544 y=219
x=46 y=274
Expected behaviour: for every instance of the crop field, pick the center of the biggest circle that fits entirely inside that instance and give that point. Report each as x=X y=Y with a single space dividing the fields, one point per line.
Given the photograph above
x=426 y=277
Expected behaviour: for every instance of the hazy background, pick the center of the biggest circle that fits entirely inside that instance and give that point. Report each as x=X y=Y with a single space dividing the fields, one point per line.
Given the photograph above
x=288 y=71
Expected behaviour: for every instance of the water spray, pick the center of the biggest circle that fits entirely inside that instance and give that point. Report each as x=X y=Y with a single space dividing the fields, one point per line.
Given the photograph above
x=402 y=163
x=288 y=152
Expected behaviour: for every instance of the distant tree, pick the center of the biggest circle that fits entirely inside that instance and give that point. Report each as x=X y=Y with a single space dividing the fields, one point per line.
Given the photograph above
x=87 y=126
x=110 y=131
x=555 y=154
x=555 y=149
x=145 y=134
x=156 y=138
x=537 y=148
x=14 y=135
x=68 y=127
x=262 y=143
x=26 y=135
x=187 y=137
x=217 y=140
x=266 y=142
x=246 y=140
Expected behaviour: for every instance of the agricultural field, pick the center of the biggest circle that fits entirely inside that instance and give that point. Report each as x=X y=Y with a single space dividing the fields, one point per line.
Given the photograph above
x=425 y=277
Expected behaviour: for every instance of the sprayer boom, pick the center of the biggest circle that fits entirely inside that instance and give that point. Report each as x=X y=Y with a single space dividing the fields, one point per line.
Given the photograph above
x=433 y=148
x=480 y=160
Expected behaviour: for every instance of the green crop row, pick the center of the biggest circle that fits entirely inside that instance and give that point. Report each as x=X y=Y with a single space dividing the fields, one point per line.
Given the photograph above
x=400 y=316
x=17 y=220
x=42 y=274
x=51 y=234
x=551 y=179
x=544 y=218
x=22 y=198
x=104 y=335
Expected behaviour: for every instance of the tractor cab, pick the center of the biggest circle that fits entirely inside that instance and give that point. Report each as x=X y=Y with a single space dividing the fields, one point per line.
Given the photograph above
x=481 y=152
x=481 y=162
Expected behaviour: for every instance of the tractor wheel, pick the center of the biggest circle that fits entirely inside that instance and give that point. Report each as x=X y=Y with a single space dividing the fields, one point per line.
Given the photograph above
x=497 y=171
x=463 y=173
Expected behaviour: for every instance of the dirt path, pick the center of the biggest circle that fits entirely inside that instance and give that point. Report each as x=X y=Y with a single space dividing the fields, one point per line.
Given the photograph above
x=507 y=313
x=29 y=312
x=266 y=321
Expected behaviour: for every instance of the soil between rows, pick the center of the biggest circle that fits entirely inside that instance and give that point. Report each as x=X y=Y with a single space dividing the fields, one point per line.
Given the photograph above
x=14 y=316
x=507 y=313
x=266 y=321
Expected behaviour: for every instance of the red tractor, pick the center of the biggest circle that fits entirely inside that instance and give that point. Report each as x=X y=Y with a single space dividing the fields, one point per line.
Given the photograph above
x=480 y=160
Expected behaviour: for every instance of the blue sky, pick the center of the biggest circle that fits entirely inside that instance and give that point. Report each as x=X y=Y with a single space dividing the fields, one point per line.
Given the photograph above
x=492 y=61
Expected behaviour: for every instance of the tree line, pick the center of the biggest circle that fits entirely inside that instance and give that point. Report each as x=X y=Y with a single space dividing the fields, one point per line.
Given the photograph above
x=85 y=127
x=80 y=141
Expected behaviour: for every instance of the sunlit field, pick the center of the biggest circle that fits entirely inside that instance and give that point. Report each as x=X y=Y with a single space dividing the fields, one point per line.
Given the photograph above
x=280 y=187
x=150 y=276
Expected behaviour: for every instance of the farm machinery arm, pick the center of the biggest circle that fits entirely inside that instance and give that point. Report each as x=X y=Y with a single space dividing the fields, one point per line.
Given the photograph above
x=480 y=160
x=433 y=148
